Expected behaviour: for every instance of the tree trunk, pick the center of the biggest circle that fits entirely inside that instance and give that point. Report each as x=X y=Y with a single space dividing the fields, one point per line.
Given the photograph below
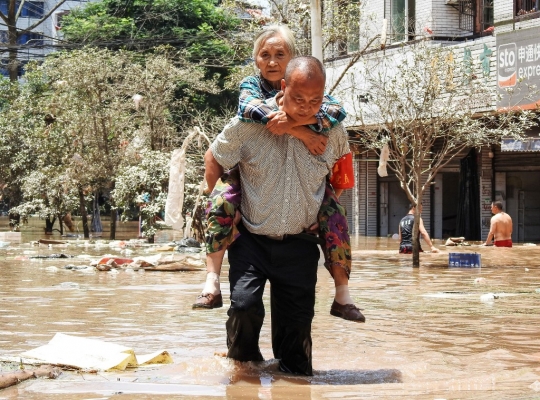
x=13 y=63
x=61 y=224
x=84 y=215
x=49 y=225
x=419 y=193
x=114 y=215
x=416 y=239
x=12 y=378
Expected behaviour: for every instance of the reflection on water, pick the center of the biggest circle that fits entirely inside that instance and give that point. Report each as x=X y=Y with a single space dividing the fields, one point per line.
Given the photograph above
x=429 y=334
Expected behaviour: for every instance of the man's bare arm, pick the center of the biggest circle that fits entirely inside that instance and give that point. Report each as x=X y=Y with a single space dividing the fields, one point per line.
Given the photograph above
x=425 y=235
x=213 y=170
x=492 y=230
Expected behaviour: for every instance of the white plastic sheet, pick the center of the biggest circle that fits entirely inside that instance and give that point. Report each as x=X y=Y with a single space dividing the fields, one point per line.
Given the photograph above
x=79 y=352
x=175 y=195
x=383 y=159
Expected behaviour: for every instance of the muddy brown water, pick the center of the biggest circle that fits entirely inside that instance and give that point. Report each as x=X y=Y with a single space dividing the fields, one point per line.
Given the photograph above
x=429 y=332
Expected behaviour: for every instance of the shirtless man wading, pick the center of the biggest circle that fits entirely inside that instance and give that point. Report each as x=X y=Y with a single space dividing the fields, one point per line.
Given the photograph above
x=501 y=227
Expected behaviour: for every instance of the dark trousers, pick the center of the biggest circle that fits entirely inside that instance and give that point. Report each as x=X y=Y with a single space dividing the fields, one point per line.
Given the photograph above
x=291 y=267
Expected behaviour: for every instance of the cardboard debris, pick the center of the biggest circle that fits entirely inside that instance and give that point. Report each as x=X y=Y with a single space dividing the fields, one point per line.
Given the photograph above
x=50 y=241
x=165 y=248
x=92 y=354
x=171 y=261
x=456 y=241
x=118 y=260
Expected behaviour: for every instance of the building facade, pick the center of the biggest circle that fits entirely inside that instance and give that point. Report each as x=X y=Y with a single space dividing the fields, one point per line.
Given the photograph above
x=38 y=42
x=503 y=36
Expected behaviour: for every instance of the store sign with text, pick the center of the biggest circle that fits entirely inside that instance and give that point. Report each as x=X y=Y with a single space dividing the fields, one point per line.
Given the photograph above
x=518 y=68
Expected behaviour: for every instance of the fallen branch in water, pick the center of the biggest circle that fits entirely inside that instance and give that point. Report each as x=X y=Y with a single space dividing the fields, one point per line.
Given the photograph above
x=13 y=378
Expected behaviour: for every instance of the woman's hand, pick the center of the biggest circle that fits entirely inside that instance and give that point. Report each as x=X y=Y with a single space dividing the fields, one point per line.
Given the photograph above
x=315 y=143
x=279 y=123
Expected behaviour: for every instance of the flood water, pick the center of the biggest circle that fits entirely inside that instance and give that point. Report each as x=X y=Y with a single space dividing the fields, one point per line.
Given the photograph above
x=428 y=334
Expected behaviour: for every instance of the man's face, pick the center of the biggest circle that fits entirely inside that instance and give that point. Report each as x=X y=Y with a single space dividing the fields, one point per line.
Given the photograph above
x=302 y=97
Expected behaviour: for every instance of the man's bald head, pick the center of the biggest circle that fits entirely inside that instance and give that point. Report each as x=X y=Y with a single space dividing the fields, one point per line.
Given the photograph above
x=308 y=66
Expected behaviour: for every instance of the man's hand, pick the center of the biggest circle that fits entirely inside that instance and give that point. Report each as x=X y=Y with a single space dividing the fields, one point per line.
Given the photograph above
x=237 y=217
x=313 y=229
x=279 y=123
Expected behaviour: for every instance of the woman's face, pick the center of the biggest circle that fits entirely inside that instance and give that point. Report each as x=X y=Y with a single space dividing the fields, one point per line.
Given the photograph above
x=272 y=59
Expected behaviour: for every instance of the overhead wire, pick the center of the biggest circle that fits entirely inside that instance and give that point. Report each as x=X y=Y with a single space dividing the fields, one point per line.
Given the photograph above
x=45 y=44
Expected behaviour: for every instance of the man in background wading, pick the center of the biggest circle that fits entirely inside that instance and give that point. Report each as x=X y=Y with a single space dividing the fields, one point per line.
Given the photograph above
x=501 y=227
x=405 y=230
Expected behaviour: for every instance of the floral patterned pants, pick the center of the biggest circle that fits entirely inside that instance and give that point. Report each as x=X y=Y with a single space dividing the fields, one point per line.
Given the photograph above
x=225 y=200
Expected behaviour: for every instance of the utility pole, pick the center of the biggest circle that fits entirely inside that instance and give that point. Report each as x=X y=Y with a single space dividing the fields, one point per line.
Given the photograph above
x=316 y=30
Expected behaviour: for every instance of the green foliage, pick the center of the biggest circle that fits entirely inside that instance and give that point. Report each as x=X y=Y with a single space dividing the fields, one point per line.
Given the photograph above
x=144 y=182
x=199 y=27
x=93 y=23
x=200 y=31
x=74 y=125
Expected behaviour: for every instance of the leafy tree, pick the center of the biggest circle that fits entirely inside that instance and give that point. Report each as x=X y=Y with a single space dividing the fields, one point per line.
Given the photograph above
x=22 y=128
x=427 y=106
x=98 y=110
x=77 y=122
x=50 y=194
x=200 y=29
x=145 y=184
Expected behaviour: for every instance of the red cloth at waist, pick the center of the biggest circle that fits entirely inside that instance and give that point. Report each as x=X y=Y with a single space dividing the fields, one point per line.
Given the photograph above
x=503 y=243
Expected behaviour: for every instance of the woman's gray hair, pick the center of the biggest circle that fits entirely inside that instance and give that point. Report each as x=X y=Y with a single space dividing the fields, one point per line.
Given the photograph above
x=271 y=31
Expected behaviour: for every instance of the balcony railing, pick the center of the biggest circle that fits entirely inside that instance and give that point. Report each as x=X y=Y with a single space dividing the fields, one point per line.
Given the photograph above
x=475 y=16
x=526 y=9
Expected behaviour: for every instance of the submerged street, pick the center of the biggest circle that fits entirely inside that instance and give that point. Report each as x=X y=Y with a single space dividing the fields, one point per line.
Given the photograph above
x=432 y=332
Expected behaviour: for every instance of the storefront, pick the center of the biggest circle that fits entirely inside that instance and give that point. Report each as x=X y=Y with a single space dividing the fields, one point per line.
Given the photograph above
x=516 y=164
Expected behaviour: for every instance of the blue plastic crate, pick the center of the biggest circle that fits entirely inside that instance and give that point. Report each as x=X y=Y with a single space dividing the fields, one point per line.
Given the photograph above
x=465 y=260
